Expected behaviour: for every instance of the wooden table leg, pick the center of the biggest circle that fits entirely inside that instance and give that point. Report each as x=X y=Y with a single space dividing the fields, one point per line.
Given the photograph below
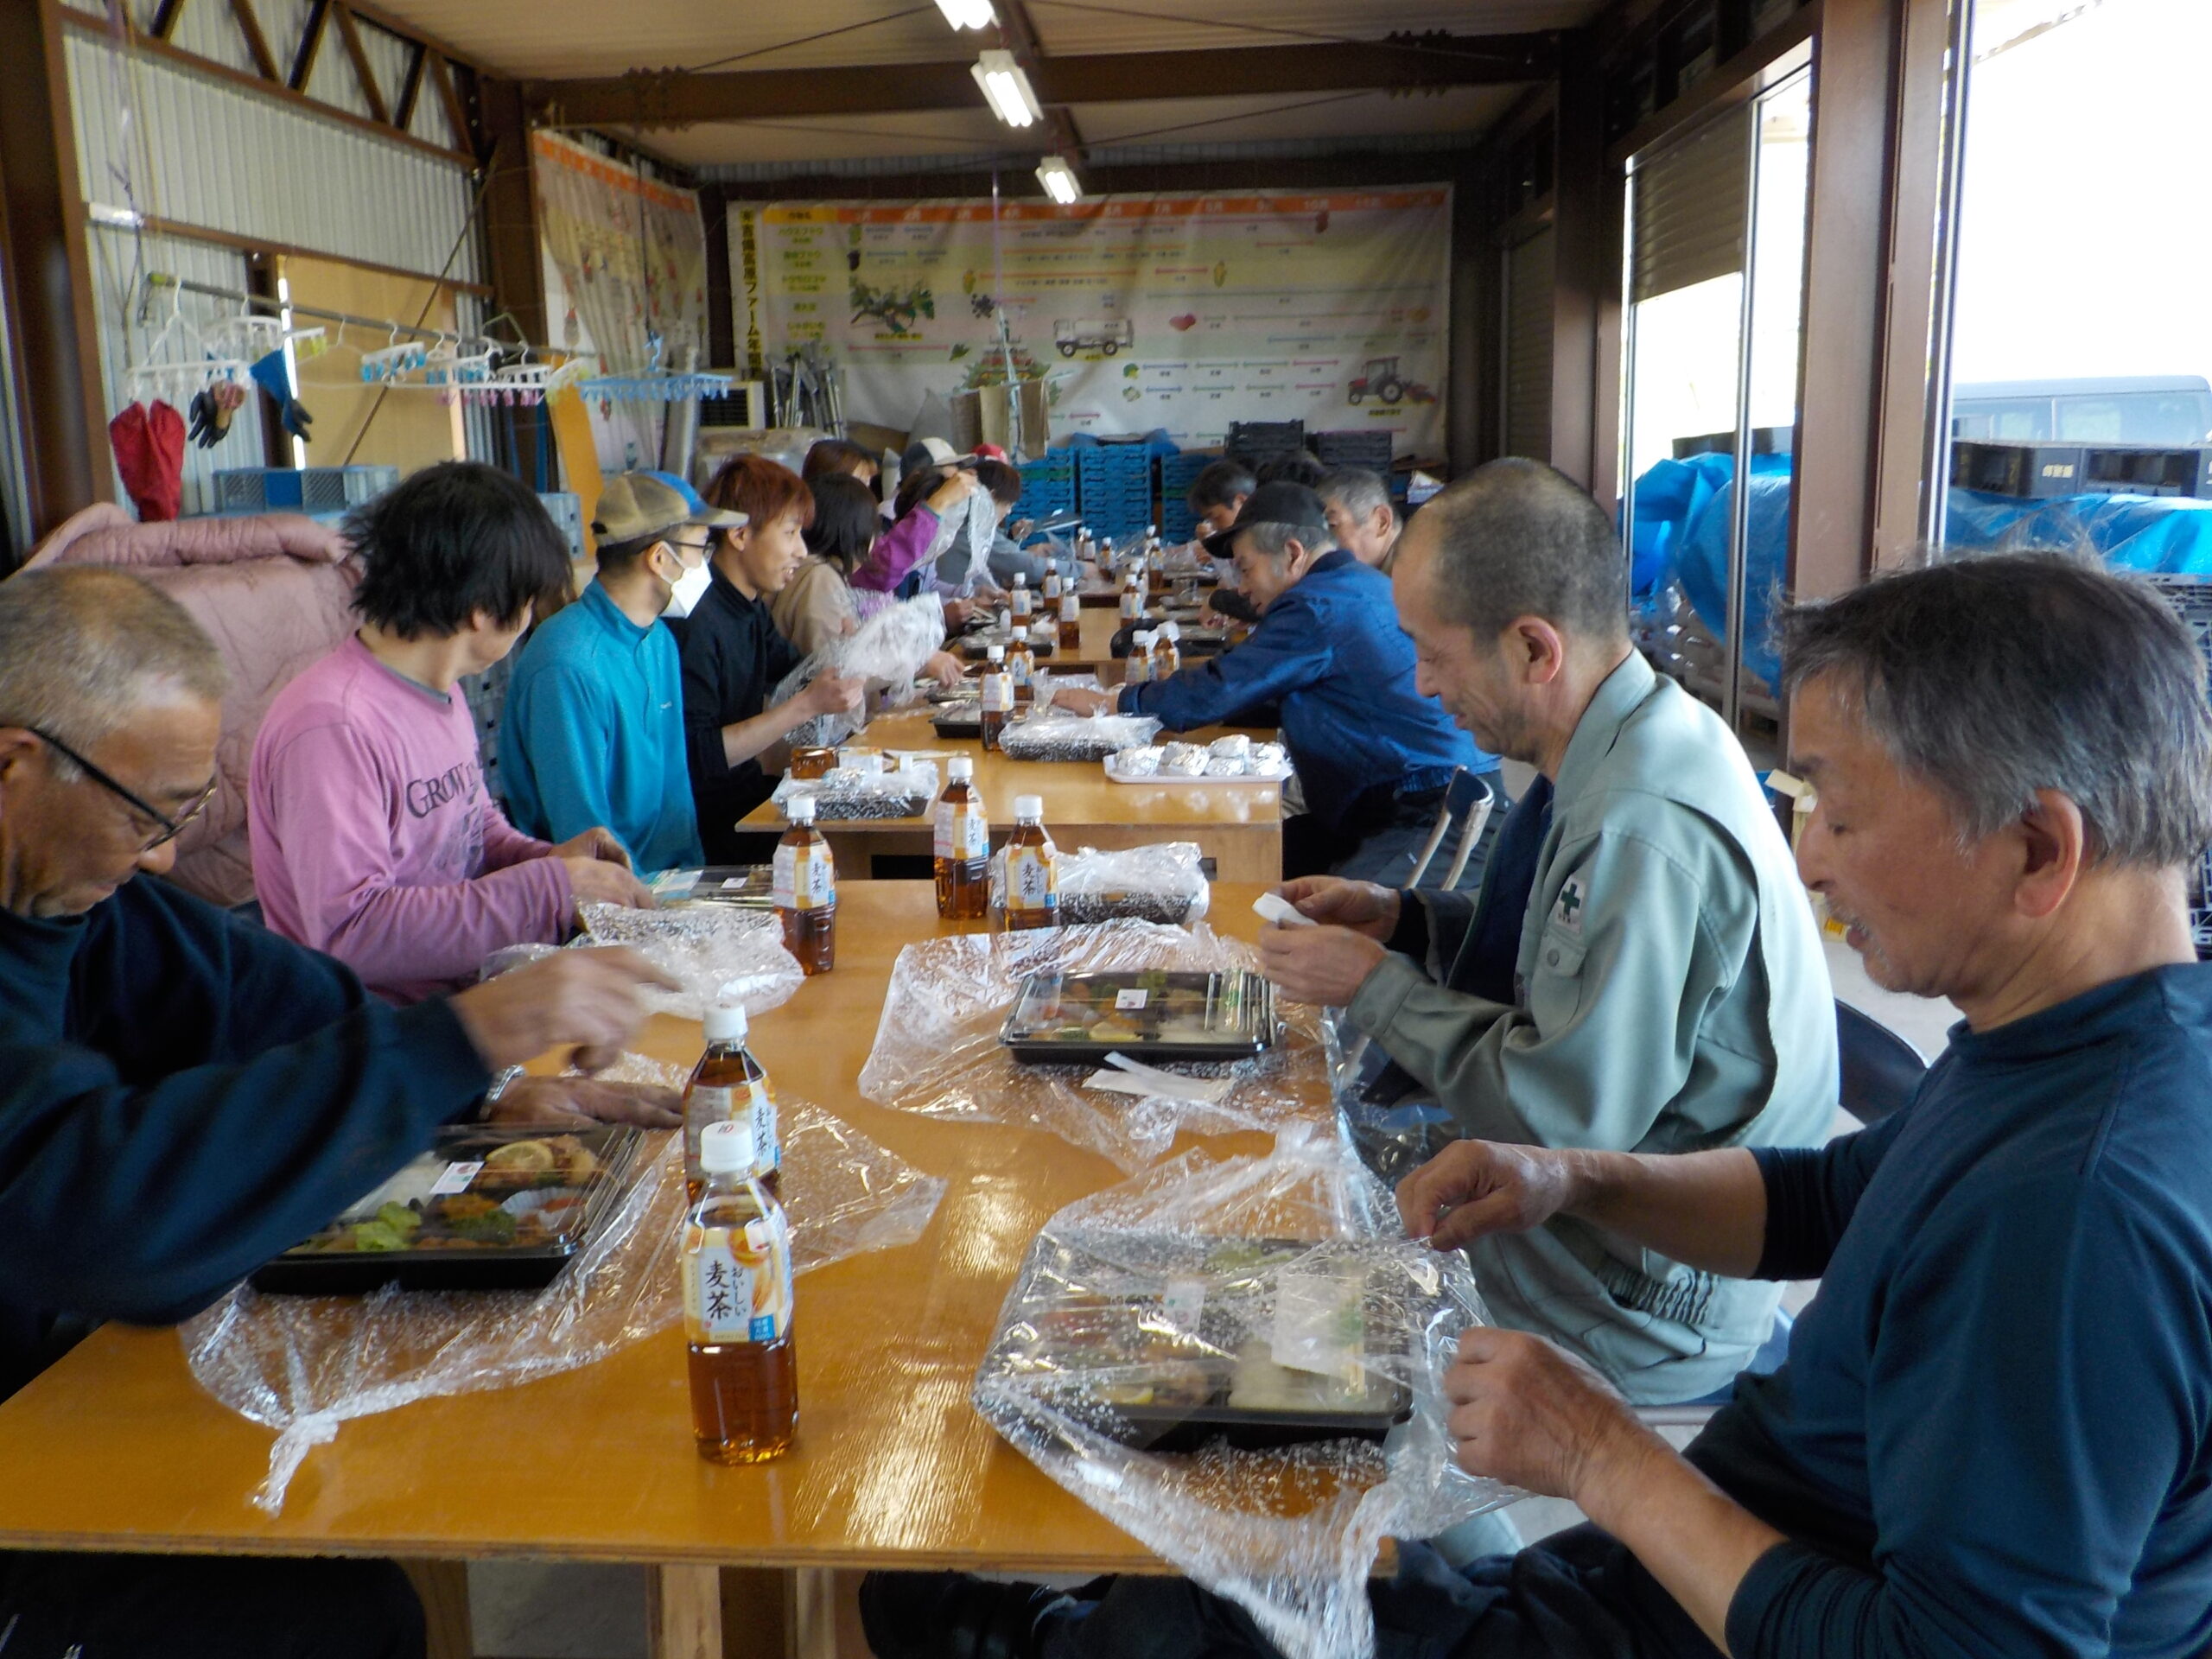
x=444 y=1587
x=812 y=1632
x=686 y=1613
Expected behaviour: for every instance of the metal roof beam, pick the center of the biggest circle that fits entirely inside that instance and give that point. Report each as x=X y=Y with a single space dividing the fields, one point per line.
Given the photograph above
x=676 y=98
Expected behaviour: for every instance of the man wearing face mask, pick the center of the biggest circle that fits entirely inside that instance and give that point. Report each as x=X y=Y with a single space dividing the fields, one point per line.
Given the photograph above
x=374 y=838
x=594 y=729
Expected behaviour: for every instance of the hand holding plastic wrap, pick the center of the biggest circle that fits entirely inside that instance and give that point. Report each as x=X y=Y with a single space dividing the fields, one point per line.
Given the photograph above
x=887 y=650
x=938 y=1051
x=1165 y=882
x=721 y=954
x=1223 y=1308
x=302 y=1365
x=1057 y=734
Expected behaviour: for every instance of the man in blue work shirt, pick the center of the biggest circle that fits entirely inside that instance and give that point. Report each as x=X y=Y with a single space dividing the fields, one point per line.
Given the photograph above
x=593 y=730
x=1329 y=663
x=1993 y=1433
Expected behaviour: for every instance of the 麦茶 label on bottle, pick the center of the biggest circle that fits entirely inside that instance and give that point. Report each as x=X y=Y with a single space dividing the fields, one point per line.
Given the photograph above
x=1029 y=881
x=737 y=1283
x=962 y=833
x=805 y=878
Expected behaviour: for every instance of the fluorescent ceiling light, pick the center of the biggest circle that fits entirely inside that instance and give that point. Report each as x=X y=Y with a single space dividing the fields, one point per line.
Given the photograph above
x=1007 y=88
x=1058 y=179
x=968 y=13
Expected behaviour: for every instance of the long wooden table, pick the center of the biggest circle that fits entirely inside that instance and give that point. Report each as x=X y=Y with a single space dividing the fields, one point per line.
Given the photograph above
x=116 y=1447
x=1239 y=826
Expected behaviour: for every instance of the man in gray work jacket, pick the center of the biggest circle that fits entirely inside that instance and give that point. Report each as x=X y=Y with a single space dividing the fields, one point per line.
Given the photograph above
x=1640 y=971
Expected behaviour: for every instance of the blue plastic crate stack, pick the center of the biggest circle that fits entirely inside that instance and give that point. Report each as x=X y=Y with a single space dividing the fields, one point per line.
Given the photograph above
x=1177 y=475
x=2192 y=597
x=1047 y=486
x=1115 y=497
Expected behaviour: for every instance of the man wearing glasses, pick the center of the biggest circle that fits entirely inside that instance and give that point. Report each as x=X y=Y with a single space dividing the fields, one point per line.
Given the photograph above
x=184 y=1095
x=594 y=729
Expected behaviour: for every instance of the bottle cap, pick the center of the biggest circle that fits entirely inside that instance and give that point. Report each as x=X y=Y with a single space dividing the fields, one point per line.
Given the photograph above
x=1171 y=631
x=1029 y=806
x=960 y=765
x=725 y=1148
x=799 y=809
x=1020 y=579
x=1144 y=637
x=996 y=653
x=726 y=1025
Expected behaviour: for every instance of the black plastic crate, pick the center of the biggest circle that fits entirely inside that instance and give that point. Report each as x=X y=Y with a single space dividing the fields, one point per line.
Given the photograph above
x=2144 y=469
x=1256 y=442
x=1363 y=448
x=2030 y=472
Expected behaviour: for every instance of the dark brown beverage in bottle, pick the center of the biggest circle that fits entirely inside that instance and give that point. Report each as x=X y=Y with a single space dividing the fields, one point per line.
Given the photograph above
x=1071 y=620
x=964 y=847
x=806 y=891
x=1032 y=885
x=736 y=1263
x=998 y=696
x=729 y=1086
x=744 y=1399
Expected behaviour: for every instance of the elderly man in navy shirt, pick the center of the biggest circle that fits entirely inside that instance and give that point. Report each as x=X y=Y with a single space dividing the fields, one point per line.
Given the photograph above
x=1329 y=663
x=1993 y=1435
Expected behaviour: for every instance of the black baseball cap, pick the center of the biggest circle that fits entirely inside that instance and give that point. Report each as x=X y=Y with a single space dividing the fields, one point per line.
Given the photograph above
x=1283 y=503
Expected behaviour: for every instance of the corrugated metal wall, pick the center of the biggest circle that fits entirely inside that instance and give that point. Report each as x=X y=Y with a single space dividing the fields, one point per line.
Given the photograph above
x=189 y=148
x=194 y=150
x=118 y=258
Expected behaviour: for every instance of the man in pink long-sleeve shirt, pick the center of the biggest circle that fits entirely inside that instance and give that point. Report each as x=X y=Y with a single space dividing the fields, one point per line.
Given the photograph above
x=374 y=838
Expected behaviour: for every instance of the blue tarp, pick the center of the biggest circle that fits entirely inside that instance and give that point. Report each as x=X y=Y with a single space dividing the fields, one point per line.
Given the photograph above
x=1684 y=508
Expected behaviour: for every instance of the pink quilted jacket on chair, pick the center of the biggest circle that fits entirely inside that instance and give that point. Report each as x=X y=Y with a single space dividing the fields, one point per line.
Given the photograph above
x=275 y=592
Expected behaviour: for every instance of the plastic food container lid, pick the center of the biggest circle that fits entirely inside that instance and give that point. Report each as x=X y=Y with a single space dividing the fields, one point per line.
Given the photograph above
x=726 y=1025
x=725 y=1148
x=960 y=765
x=1029 y=806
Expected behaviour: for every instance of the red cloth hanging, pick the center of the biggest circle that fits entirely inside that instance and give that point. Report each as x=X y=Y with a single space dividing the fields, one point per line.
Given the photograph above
x=149 y=443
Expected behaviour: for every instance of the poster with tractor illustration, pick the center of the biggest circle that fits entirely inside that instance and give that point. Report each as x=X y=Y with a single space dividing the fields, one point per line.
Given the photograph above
x=1176 y=311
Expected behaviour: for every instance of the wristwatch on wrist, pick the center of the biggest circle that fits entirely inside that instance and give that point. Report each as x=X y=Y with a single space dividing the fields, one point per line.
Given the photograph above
x=500 y=1084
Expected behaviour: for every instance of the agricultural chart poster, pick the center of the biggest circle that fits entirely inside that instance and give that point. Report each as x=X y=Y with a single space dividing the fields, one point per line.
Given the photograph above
x=1184 y=312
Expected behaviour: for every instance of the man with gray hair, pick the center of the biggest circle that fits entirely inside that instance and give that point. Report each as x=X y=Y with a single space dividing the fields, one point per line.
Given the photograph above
x=1993 y=1433
x=184 y=1095
x=1362 y=516
x=1641 y=969
x=1329 y=663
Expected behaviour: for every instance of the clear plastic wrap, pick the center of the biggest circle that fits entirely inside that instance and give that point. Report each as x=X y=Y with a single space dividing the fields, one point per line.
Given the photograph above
x=721 y=953
x=846 y=795
x=937 y=1049
x=1240 y=1363
x=303 y=1365
x=1166 y=882
x=1395 y=1124
x=887 y=650
x=1056 y=734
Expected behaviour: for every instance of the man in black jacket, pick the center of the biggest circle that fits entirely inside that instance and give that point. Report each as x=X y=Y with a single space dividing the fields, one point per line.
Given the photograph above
x=184 y=1095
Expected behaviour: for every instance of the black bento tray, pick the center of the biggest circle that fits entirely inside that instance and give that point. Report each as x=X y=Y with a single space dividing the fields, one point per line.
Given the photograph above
x=1239 y=1005
x=979 y=645
x=1188 y=1426
x=304 y=1270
